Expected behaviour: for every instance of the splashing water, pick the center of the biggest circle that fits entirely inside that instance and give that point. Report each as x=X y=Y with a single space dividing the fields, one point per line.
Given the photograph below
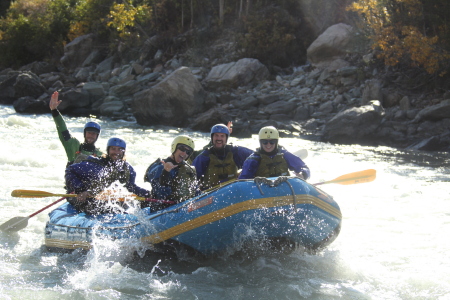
x=392 y=245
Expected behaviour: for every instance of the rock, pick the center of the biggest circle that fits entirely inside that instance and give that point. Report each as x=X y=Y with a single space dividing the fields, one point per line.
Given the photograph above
x=7 y=90
x=73 y=98
x=267 y=99
x=30 y=105
x=247 y=102
x=435 y=112
x=94 y=57
x=105 y=66
x=95 y=90
x=372 y=91
x=127 y=89
x=204 y=121
x=171 y=102
x=28 y=84
x=354 y=124
x=235 y=74
x=332 y=43
x=77 y=51
x=280 y=107
x=430 y=144
x=111 y=108
x=39 y=67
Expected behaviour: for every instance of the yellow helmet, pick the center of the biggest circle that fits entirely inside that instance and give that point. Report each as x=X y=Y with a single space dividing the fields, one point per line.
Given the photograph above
x=182 y=139
x=269 y=133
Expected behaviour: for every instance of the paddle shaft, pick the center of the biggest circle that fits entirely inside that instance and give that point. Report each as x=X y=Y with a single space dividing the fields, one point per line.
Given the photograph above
x=44 y=208
x=353 y=178
x=18 y=223
x=42 y=194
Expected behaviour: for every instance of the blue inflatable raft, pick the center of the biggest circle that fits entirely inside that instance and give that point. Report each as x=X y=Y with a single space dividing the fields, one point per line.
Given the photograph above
x=280 y=209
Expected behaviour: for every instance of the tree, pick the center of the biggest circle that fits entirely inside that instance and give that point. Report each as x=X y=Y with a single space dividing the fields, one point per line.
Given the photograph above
x=406 y=31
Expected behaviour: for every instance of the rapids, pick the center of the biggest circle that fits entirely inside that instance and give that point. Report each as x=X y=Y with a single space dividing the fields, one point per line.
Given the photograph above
x=393 y=243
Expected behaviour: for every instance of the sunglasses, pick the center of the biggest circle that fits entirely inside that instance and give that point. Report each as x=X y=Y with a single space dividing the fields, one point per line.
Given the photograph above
x=265 y=142
x=186 y=149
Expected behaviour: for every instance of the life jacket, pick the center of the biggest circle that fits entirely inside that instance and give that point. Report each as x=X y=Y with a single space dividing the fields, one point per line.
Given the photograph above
x=110 y=173
x=157 y=161
x=220 y=170
x=184 y=185
x=83 y=153
x=272 y=166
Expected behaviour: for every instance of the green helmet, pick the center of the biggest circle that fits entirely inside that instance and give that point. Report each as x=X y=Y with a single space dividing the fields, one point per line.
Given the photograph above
x=182 y=139
x=269 y=133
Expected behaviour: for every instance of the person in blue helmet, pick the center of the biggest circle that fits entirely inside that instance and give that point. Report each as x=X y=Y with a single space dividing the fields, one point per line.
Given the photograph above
x=197 y=152
x=75 y=150
x=271 y=159
x=173 y=178
x=220 y=162
x=93 y=175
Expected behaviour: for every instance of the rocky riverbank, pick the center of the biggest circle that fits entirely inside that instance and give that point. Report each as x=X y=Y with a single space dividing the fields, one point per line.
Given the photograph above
x=340 y=96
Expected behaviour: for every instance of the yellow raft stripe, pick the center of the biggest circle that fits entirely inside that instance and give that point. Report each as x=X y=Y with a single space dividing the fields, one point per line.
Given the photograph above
x=237 y=208
x=212 y=217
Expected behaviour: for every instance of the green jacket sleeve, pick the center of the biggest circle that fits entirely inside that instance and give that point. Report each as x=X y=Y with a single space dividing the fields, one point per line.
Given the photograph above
x=71 y=145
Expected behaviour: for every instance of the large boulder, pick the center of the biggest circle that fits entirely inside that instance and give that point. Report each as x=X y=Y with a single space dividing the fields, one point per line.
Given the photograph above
x=77 y=51
x=7 y=91
x=232 y=75
x=28 y=84
x=73 y=98
x=30 y=105
x=171 y=102
x=330 y=45
x=435 y=112
x=354 y=125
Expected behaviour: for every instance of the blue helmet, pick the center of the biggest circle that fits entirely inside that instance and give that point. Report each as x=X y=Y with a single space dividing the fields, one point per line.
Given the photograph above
x=116 y=142
x=220 y=128
x=92 y=126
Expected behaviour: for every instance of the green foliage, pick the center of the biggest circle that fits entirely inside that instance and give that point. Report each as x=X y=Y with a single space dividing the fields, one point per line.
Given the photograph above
x=125 y=17
x=90 y=16
x=270 y=36
x=33 y=29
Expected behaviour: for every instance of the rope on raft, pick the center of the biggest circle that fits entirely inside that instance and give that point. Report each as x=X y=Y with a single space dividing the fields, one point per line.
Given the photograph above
x=276 y=182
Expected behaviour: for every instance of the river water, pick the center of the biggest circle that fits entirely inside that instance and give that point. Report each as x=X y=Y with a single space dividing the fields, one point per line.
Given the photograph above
x=393 y=244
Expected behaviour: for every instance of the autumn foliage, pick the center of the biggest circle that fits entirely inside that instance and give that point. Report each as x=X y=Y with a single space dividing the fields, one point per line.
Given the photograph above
x=413 y=32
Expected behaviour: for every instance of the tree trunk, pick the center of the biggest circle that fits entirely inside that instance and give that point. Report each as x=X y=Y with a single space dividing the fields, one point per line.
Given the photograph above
x=221 y=4
x=241 y=4
x=182 y=14
x=192 y=13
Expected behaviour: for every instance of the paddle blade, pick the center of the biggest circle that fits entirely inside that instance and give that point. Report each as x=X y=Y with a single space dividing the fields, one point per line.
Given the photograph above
x=15 y=224
x=37 y=194
x=302 y=153
x=353 y=178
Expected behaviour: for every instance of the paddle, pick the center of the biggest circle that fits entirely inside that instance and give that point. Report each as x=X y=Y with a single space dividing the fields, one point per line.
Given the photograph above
x=42 y=194
x=19 y=223
x=37 y=194
x=353 y=178
x=302 y=153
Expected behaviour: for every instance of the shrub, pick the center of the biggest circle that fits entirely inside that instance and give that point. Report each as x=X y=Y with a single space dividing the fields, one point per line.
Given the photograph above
x=270 y=36
x=401 y=30
x=33 y=29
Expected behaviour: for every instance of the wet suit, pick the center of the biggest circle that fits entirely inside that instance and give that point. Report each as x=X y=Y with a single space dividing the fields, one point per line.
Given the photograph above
x=94 y=175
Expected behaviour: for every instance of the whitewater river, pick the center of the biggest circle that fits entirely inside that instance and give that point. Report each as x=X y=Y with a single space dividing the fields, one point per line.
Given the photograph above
x=394 y=242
